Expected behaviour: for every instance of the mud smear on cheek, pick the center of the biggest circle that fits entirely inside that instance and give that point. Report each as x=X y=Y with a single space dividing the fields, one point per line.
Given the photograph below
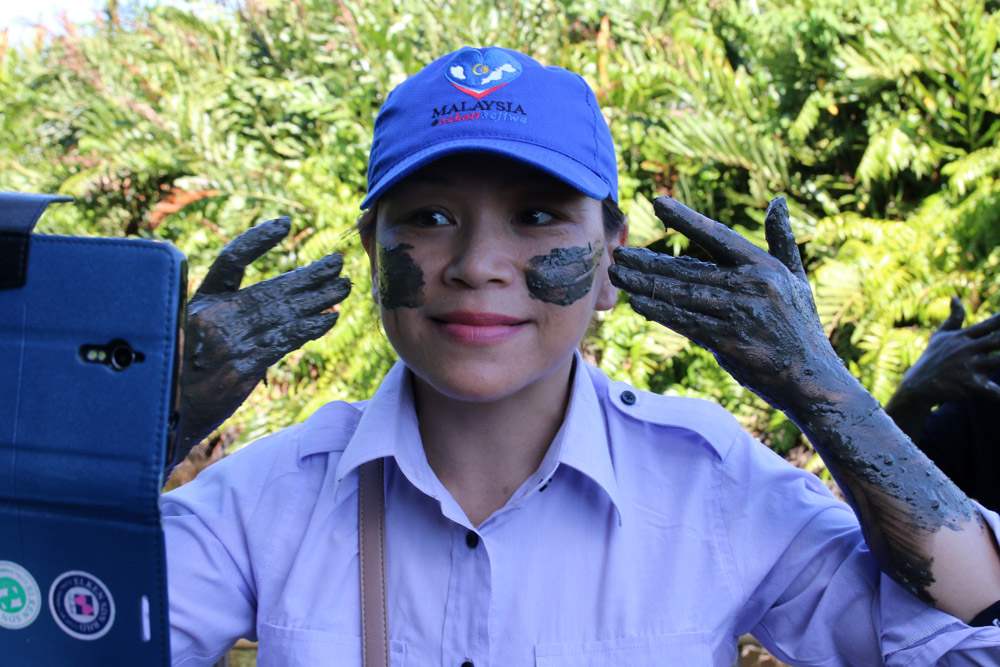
x=399 y=278
x=564 y=275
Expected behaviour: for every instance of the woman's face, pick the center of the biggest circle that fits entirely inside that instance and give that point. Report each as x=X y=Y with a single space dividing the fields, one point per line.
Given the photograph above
x=487 y=272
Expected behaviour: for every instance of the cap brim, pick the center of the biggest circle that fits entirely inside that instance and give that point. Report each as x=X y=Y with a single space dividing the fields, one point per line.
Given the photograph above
x=551 y=162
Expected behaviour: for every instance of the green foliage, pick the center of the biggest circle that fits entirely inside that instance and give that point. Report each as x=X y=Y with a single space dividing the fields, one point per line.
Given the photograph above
x=877 y=121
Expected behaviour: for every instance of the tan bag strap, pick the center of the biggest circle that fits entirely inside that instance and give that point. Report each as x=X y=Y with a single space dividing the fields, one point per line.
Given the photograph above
x=371 y=554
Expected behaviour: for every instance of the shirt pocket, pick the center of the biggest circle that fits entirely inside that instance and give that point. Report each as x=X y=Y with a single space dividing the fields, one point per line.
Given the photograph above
x=691 y=649
x=294 y=647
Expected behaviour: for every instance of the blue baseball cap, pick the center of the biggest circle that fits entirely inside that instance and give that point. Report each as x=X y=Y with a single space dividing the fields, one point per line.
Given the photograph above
x=494 y=100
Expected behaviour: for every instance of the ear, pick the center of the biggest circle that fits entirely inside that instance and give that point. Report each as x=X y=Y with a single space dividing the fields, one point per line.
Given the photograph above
x=368 y=242
x=607 y=294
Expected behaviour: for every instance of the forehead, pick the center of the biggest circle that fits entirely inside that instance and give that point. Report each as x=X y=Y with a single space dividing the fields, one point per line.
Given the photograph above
x=475 y=170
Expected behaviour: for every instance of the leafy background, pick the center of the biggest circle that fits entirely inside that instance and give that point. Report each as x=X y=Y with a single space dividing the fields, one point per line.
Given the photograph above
x=876 y=119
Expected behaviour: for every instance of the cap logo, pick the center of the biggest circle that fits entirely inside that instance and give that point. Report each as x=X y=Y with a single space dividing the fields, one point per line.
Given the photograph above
x=479 y=73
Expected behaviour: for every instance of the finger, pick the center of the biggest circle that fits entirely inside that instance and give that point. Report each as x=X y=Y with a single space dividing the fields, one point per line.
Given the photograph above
x=679 y=293
x=278 y=341
x=266 y=313
x=986 y=344
x=646 y=261
x=955 y=319
x=987 y=388
x=688 y=324
x=780 y=239
x=318 y=276
x=294 y=335
x=226 y=271
x=723 y=244
x=989 y=363
x=737 y=281
x=987 y=326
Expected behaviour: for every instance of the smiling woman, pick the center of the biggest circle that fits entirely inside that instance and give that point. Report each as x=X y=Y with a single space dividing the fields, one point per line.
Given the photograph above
x=481 y=259
x=535 y=511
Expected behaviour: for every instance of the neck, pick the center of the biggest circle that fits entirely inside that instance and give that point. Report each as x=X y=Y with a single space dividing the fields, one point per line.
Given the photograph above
x=484 y=451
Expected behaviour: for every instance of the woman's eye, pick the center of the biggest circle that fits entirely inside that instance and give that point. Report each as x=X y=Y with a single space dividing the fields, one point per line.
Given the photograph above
x=536 y=217
x=430 y=219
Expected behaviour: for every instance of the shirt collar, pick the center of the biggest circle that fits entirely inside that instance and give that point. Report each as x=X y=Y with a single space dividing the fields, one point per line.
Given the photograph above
x=388 y=428
x=582 y=442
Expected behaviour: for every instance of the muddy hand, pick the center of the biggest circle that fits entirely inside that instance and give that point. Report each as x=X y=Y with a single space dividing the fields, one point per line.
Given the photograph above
x=752 y=309
x=232 y=335
x=957 y=362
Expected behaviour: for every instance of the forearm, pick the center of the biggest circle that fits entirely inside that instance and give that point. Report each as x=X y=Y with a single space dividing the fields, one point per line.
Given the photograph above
x=921 y=528
x=754 y=311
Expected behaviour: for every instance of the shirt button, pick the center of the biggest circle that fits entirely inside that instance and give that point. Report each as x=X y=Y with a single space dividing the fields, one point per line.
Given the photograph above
x=472 y=541
x=628 y=398
x=468 y=663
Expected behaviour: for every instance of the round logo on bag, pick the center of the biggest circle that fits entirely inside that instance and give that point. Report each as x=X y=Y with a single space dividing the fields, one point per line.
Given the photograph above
x=81 y=605
x=20 y=598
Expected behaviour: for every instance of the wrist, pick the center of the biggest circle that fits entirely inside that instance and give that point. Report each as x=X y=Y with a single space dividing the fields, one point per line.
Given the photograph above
x=826 y=386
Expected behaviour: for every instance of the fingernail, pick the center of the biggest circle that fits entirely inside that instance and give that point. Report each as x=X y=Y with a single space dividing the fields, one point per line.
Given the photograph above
x=283 y=221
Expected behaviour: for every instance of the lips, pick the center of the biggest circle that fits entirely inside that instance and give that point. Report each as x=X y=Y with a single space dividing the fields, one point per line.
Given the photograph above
x=478 y=319
x=478 y=328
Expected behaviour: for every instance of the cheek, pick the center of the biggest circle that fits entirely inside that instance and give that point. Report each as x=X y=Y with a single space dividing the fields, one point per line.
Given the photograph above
x=400 y=280
x=565 y=275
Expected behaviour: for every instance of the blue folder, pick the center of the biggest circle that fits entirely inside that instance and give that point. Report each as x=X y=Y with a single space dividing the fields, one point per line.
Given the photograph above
x=89 y=356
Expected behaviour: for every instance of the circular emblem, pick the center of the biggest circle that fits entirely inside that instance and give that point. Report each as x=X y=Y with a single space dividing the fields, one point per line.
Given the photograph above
x=20 y=599
x=81 y=605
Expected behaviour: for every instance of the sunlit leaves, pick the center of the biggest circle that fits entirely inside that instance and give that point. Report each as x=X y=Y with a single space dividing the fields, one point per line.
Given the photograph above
x=878 y=122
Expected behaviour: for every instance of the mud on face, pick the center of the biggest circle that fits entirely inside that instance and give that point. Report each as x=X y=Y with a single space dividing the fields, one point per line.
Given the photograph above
x=564 y=275
x=399 y=278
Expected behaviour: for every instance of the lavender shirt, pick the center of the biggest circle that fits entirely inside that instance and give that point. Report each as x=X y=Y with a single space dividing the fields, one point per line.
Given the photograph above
x=655 y=532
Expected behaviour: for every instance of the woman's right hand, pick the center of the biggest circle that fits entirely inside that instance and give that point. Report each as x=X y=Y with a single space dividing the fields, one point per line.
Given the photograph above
x=232 y=335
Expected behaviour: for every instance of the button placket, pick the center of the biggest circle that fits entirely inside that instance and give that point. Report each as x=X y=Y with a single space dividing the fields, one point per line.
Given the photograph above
x=466 y=631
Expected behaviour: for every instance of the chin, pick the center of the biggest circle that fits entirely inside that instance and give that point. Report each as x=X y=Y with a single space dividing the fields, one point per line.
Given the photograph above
x=470 y=386
x=480 y=381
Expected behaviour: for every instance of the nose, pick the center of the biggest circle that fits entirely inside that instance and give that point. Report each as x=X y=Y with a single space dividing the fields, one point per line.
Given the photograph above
x=482 y=255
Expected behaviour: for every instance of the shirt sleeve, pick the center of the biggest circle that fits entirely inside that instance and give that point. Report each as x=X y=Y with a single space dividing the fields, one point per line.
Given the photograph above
x=210 y=568
x=919 y=634
x=815 y=595
x=212 y=600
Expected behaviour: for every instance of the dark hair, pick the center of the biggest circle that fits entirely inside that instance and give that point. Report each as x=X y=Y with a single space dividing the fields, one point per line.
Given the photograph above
x=613 y=218
x=366 y=222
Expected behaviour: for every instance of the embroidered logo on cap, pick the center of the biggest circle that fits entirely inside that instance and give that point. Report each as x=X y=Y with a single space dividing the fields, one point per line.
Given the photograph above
x=81 y=605
x=20 y=599
x=479 y=73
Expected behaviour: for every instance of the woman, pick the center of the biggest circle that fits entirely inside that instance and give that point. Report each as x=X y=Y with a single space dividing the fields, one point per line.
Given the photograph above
x=535 y=511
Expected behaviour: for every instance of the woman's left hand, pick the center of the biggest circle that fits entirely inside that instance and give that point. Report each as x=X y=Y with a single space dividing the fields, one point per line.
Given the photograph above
x=752 y=309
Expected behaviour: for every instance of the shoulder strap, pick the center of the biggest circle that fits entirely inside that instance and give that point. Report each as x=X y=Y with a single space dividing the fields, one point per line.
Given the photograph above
x=371 y=554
